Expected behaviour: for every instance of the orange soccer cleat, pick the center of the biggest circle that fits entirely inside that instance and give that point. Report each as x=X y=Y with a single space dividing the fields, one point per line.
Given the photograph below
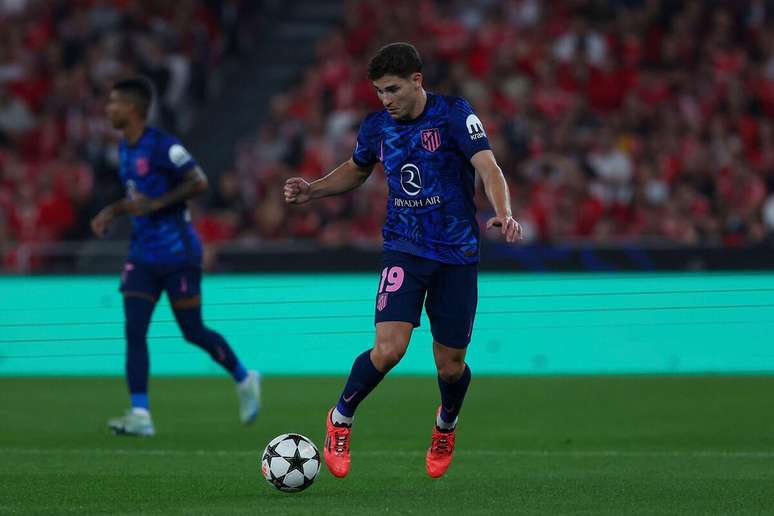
x=336 y=447
x=440 y=453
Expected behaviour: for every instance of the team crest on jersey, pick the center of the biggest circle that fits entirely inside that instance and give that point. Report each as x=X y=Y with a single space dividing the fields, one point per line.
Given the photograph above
x=128 y=267
x=381 y=301
x=141 y=166
x=431 y=139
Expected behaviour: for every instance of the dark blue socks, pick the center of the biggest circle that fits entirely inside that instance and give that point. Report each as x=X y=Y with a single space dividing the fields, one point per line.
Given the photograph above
x=137 y=312
x=452 y=396
x=362 y=380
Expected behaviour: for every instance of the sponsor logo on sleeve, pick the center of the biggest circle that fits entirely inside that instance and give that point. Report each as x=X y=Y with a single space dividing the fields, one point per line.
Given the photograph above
x=178 y=155
x=475 y=127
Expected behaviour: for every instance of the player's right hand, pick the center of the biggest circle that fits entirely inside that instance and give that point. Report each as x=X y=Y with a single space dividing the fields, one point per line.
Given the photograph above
x=508 y=227
x=101 y=222
x=297 y=190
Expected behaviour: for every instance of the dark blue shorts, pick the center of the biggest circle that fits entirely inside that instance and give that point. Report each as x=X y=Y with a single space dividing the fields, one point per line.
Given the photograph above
x=178 y=280
x=449 y=293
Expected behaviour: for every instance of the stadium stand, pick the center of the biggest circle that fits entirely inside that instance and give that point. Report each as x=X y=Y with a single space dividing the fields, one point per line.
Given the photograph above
x=615 y=122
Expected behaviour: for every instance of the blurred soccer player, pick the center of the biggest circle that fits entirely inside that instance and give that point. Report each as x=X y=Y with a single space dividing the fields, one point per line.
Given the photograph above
x=430 y=146
x=165 y=252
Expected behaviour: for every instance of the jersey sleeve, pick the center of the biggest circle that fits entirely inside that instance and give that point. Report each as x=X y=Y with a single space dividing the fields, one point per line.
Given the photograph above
x=364 y=155
x=174 y=158
x=466 y=129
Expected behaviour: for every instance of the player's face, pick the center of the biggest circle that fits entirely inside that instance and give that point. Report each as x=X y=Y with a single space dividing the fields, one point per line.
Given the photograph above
x=118 y=109
x=400 y=96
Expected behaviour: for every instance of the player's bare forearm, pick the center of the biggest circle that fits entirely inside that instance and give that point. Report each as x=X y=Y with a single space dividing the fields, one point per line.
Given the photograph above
x=495 y=186
x=496 y=189
x=342 y=179
x=115 y=209
x=194 y=183
x=101 y=222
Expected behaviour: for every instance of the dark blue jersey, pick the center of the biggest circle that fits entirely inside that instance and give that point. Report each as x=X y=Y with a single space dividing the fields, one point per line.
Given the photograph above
x=430 y=208
x=153 y=166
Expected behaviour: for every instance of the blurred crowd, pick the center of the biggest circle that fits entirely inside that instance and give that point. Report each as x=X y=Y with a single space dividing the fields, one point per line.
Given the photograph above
x=57 y=60
x=614 y=121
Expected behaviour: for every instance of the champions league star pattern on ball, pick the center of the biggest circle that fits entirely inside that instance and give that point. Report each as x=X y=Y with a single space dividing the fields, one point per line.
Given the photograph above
x=290 y=462
x=430 y=207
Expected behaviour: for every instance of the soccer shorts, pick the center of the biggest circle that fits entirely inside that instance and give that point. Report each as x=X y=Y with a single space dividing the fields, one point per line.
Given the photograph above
x=180 y=280
x=449 y=293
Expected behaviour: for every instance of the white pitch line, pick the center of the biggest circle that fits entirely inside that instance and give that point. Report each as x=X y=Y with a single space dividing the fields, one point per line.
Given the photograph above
x=720 y=454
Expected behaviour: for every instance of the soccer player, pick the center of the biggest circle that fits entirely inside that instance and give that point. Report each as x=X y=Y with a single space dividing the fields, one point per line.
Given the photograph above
x=165 y=252
x=430 y=146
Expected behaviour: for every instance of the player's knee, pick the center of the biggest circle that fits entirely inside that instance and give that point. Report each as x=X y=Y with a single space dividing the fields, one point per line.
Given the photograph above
x=451 y=371
x=391 y=357
x=387 y=353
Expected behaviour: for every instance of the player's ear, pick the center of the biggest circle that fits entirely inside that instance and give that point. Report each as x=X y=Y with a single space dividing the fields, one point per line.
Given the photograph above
x=416 y=79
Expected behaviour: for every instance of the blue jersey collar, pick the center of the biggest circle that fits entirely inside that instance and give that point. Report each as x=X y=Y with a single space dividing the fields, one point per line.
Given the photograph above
x=421 y=116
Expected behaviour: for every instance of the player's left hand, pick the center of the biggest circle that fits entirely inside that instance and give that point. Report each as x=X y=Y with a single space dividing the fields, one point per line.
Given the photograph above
x=141 y=204
x=101 y=222
x=508 y=227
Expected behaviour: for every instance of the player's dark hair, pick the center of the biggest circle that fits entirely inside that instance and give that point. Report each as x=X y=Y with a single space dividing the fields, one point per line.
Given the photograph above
x=138 y=90
x=399 y=59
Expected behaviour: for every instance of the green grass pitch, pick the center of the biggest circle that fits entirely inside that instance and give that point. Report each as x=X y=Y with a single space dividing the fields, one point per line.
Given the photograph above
x=526 y=445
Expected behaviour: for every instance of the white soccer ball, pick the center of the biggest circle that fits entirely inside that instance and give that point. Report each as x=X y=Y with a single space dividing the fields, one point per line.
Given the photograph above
x=290 y=462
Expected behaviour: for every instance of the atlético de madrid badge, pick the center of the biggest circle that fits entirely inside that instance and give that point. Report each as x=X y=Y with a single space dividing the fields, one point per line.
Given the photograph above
x=431 y=139
x=381 y=301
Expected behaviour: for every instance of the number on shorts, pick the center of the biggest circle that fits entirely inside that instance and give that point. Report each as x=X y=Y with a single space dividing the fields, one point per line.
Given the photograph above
x=394 y=278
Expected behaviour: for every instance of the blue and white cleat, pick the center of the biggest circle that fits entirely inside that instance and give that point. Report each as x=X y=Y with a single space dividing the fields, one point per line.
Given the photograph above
x=132 y=423
x=249 y=393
